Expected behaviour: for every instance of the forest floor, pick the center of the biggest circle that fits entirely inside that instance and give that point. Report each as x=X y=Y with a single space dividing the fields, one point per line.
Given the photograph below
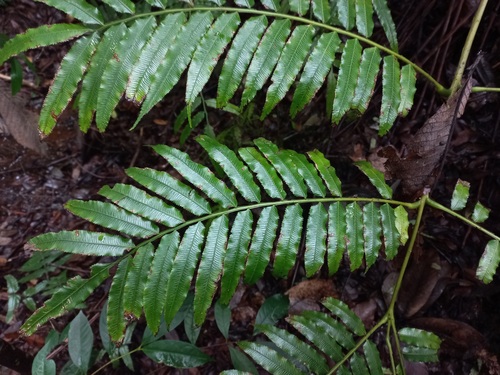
x=440 y=292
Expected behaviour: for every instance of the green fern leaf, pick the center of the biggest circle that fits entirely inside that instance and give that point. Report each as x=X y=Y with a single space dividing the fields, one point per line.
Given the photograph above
x=40 y=37
x=139 y=202
x=348 y=74
x=376 y=178
x=273 y=5
x=265 y=58
x=347 y=13
x=262 y=244
x=460 y=195
x=358 y=365
x=402 y=223
x=152 y=55
x=316 y=335
x=421 y=346
x=315 y=239
x=236 y=253
x=245 y=3
x=234 y=168
x=183 y=270
x=368 y=70
x=300 y=7
x=158 y=3
x=408 y=82
x=176 y=60
x=418 y=337
x=210 y=267
x=79 y=9
x=391 y=94
x=92 y=81
x=170 y=188
x=354 y=218
x=489 y=261
x=115 y=77
x=269 y=358
x=68 y=297
x=283 y=165
x=288 y=66
x=385 y=18
x=265 y=173
x=115 y=321
x=337 y=233
x=327 y=172
x=321 y=10
x=238 y=58
x=390 y=233
x=156 y=285
x=112 y=217
x=208 y=52
x=296 y=349
x=315 y=70
x=121 y=6
x=66 y=81
x=372 y=231
x=82 y=242
x=372 y=357
x=287 y=247
x=480 y=213
x=136 y=281
x=308 y=173
x=198 y=175
x=331 y=328
x=348 y=317
x=364 y=17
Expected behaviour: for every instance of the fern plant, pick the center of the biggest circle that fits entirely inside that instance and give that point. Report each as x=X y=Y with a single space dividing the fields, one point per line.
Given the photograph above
x=141 y=50
x=201 y=231
x=339 y=336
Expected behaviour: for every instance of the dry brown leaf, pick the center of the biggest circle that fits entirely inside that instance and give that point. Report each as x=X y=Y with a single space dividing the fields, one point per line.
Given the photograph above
x=20 y=122
x=426 y=149
x=424 y=282
x=306 y=294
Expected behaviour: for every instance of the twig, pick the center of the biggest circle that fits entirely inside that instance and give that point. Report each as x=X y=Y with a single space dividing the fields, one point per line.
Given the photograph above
x=25 y=82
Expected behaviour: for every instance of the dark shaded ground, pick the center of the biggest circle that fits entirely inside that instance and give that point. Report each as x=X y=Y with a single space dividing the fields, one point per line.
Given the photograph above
x=33 y=190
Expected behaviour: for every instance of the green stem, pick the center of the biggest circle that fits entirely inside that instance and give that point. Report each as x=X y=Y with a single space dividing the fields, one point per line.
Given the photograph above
x=439 y=88
x=462 y=63
x=422 y=203
x=449 y=211
x=485 y=89
x=116 y=359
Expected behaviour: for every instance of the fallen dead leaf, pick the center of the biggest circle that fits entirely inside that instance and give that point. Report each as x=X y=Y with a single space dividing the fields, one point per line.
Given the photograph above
x=18 y=121
x=307 y=294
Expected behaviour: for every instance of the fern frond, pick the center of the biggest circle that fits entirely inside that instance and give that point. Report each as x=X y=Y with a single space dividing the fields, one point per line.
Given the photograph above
x=200 y=232
x=76 y=291
x=79 y=9
x=144 y=54
x=326 y=335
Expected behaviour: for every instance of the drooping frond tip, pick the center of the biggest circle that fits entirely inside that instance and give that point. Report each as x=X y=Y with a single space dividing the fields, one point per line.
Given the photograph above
x=143 y=57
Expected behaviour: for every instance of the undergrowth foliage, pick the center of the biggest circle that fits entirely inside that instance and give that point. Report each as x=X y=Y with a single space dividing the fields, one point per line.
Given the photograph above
x=198 y=230
x=206 y=232
x=132 y=50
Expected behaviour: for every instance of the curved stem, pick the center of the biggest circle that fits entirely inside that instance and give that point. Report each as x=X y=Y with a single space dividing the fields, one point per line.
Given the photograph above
x=449 y=211
x=462 y=63
x=439 y=88
x=116 y=359
x=485 y=89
